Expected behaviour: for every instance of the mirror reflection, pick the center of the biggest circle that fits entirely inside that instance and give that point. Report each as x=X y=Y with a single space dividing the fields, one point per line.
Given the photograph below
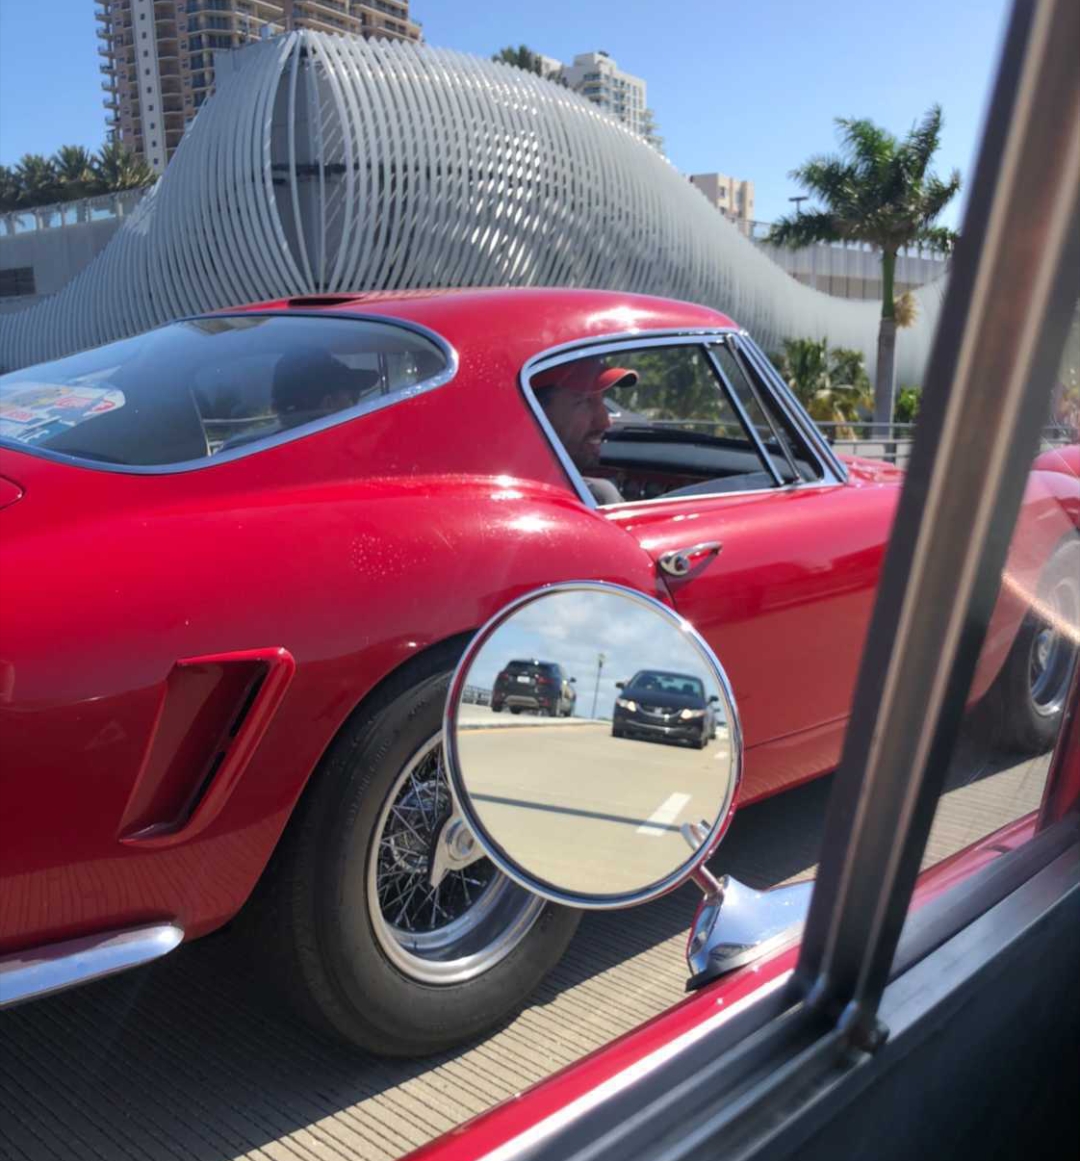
x=591 y=726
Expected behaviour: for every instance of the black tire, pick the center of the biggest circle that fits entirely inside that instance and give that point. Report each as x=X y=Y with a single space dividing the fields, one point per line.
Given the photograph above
x=497 y=709
x=313 y=915
x=1029 y=703
x=515 y=709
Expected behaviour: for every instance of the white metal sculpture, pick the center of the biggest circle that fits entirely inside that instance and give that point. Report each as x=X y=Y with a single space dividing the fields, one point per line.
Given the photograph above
x=330 y=163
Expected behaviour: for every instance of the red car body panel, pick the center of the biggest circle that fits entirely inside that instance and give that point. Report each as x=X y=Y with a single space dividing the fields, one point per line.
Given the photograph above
x=625 y=1058
x=788 y=597
x=350 y=551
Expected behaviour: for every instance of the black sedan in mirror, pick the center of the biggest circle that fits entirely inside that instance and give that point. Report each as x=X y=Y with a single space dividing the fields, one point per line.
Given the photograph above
x=671 y=707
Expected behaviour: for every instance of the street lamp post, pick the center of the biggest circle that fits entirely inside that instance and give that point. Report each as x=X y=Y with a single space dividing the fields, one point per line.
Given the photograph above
x=799 y=201
x=600 y=659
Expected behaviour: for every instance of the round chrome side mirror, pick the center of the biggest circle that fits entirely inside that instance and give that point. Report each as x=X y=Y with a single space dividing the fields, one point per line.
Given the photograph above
x=613 y=797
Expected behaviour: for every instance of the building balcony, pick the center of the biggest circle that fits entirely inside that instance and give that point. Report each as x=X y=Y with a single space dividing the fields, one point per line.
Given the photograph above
x=320 y=7
x=105 y=50
x=111 y=103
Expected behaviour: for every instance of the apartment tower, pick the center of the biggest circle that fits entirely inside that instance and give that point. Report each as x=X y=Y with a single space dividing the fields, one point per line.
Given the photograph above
x=157 y=56
x=597 y=76
x=732 y=196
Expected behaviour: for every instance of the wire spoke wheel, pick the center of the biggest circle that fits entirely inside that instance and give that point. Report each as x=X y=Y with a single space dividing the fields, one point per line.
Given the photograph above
x=441 y=934
x=1052 y=653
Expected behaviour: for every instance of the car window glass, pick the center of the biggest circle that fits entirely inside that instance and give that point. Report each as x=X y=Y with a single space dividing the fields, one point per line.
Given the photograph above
x=783 y=444
x=197 y=388
x=669 y=428
x=677 y=683
x=1028 y=661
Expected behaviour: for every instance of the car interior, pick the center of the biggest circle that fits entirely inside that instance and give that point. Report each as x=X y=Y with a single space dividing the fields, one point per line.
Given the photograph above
x=697 y=422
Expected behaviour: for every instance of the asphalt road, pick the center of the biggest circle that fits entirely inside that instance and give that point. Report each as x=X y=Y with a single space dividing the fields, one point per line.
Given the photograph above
x=186 y=1060
x=587 y=811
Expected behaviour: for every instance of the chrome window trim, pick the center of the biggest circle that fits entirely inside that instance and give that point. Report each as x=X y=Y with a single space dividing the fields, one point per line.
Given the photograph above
x=784 y=489
x=832 y=471
x=795 y=411
x=756 y=389
x=737 y=404
x=302 y=431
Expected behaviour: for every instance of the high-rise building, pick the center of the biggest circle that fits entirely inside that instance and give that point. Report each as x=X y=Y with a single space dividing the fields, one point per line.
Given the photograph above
x=596 y=75
x=157 y=56
x=733 y=197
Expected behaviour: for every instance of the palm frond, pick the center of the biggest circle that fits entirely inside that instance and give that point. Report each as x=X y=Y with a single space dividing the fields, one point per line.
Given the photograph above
x=936 y=238
x=867 y=144
x=922 y=142
x=797 y=230
x=937 y=194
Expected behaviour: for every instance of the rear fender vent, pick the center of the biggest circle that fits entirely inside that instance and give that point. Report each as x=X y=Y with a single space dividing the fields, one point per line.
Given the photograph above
x=322 y=300
x=214 y=712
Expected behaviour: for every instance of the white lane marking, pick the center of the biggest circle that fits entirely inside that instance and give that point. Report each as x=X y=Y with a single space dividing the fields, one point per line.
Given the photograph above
x=664 y=815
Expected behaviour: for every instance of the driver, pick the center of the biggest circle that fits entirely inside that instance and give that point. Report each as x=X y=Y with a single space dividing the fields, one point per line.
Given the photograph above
x=572 y=396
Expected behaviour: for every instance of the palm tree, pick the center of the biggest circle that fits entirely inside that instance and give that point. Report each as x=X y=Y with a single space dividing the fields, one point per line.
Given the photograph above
x=523 y=57
x=75 y=171
x=9 y=196
x=38 y=184
x=879 y=190
x=830 y=382
x=117 y=169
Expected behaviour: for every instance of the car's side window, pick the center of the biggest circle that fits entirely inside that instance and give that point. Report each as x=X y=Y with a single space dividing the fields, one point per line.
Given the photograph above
x=655 y=421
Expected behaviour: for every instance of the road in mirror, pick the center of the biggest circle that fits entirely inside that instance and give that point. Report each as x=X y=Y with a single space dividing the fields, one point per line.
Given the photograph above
x=592 y=725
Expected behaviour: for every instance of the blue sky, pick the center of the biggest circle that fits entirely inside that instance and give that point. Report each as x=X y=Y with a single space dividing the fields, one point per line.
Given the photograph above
x=748 y=89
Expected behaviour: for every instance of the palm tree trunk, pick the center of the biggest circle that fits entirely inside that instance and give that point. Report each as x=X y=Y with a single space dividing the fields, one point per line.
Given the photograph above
x=884 y=382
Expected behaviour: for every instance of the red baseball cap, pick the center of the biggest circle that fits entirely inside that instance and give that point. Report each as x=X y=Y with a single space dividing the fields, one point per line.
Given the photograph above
x=589 y=376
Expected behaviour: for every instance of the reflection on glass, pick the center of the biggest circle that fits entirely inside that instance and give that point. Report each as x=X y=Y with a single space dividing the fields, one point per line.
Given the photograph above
x=593 y=727
x=1025 y=671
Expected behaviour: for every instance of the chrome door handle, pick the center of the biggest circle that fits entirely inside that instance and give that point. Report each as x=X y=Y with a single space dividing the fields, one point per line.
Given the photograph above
x=679 y=561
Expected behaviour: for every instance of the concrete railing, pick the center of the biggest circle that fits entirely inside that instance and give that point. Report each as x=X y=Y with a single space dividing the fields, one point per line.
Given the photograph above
x=64 y=214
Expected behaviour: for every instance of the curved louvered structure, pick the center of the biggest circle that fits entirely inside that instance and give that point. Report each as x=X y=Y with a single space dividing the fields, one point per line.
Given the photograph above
x=330 y=163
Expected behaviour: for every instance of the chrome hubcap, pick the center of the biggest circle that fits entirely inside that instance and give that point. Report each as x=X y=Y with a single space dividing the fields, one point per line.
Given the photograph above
x=440 y=910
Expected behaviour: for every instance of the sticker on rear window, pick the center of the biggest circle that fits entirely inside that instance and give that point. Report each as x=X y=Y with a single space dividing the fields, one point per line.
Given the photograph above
x=34 y=411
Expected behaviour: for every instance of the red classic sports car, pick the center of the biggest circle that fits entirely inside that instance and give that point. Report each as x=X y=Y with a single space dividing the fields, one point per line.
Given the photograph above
x=243 y=553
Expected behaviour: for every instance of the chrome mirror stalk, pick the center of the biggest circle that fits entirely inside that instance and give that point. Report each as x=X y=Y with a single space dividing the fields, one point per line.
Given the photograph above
x=736 y=924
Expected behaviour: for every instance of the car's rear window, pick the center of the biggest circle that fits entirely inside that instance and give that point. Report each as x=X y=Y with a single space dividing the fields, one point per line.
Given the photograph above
x=530 y=667
x=195 y=389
